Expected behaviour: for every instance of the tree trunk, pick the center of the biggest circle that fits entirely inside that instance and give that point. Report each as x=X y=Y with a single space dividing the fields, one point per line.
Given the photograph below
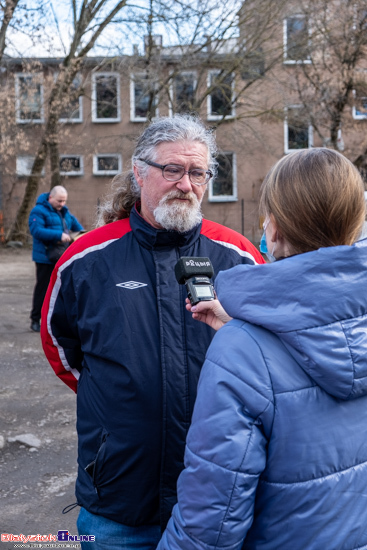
x=55 y=164
x=9 y=9
x=19 y=231
x=49 y=144
x=10 y=6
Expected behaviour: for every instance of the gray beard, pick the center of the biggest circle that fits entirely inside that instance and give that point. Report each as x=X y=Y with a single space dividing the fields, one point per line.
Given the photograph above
x=178 y=216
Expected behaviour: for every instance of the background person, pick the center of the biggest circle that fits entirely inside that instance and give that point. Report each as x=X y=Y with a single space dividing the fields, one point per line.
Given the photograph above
x=276 y=455
x=118 y=333
x=49 y=222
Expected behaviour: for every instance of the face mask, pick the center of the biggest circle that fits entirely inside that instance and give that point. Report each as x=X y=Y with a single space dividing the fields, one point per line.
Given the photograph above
x=264 y=246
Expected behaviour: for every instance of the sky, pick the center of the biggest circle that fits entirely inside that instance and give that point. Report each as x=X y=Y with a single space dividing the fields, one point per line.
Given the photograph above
x=52 y=38
x=55 y=27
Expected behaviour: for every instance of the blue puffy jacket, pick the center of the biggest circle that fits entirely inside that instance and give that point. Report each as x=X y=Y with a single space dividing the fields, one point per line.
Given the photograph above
x=46 y=227
x=117 y=331
x=276 y=455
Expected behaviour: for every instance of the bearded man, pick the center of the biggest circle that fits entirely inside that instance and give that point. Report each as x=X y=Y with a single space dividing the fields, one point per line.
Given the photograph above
x=118 y=333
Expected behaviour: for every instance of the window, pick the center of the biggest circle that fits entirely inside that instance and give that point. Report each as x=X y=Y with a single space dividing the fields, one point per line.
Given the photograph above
x=363 y=172
x=143 y=98
x=71 y=165
x=73 y=111
x=24 y=166
x=105 y=97
x=296 y=40
x=29 y=98
x=107 y=165
x=224 y=186
x=297 y=130
x=360 y=18
x=359 y=107
x=254 y=65
x=183 y=92
x=220 y=98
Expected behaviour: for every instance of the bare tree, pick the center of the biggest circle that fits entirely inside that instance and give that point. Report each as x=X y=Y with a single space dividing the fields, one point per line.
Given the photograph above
x=330 y=72
x=217 y=62
x=7 y=8
x=89 y=23
x=236 y=39
x=230 y=45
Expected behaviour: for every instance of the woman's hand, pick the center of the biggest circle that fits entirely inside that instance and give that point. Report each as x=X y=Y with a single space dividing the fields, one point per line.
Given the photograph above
x=210 y=312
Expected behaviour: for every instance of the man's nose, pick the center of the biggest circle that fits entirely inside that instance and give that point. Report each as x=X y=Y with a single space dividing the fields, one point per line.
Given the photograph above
x=184 y=184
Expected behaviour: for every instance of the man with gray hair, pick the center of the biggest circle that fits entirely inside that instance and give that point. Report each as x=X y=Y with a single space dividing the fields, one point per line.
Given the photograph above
x=50 y=222
x=118 y=333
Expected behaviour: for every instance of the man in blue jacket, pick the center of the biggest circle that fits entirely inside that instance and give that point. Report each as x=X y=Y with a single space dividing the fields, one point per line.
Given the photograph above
x=49 y=222
x=118 y=333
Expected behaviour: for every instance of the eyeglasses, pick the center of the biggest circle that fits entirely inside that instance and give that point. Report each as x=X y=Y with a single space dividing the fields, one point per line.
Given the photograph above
x=174 y=172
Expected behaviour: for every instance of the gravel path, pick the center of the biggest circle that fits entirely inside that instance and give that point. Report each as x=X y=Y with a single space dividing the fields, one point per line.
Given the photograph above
x=37 y=417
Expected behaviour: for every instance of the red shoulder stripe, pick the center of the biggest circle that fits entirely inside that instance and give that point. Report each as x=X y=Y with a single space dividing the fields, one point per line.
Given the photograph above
x=230 y=238
x=96 y=237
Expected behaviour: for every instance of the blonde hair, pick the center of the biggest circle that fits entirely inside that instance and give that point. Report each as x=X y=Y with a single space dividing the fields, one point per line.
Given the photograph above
x=317 y=199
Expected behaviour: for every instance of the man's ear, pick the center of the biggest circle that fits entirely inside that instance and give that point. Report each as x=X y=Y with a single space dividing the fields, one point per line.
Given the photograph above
x=138 y=178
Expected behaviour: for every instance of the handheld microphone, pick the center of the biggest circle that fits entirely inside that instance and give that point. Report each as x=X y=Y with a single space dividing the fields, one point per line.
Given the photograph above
x=194 y=273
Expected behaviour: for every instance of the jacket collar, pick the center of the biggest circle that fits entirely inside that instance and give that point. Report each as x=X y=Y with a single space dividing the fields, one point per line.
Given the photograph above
x=150 y=237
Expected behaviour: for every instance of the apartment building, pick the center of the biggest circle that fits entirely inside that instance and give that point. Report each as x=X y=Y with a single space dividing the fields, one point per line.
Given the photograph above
x=258 y=102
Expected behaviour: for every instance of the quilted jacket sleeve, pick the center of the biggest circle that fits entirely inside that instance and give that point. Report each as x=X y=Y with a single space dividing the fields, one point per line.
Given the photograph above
x=41 y=229
x=226 y=446
x=59 y=333
x=74 y=225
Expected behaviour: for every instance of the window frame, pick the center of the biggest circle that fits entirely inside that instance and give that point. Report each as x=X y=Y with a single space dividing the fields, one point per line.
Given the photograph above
x=95 y=118
x=286 y=136
x=172 y=95
x=286 y=60
x=80 y=118
x=355 y=113
x=18 y=76
x=211 y=116
x=226 y=198
x=133 y=117
x=25 y=173
x=97 y=172
x=72 y=173
x=357 y=17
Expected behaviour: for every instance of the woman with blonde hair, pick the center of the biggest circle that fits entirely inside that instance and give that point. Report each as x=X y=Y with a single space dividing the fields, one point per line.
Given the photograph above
x=276 y=456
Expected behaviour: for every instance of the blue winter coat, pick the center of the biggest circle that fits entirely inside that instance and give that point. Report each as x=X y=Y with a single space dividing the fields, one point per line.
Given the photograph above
x=276 y=455
x=46 y=227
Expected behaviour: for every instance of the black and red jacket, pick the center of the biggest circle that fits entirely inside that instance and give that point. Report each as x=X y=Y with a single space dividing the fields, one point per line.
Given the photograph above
x=115 y=329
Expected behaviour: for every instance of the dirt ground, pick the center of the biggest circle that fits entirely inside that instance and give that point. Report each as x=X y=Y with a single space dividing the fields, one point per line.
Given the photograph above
x=36 y=477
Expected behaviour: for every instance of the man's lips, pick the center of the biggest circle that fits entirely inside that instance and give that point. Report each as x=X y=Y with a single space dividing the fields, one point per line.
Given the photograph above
x=182 y=199
x=189 y=198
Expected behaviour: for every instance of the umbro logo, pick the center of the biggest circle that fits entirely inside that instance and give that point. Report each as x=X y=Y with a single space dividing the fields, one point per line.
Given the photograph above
x=131 y=285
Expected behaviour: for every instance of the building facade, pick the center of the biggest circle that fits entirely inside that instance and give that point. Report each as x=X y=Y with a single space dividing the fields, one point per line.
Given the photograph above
x=258 y=101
